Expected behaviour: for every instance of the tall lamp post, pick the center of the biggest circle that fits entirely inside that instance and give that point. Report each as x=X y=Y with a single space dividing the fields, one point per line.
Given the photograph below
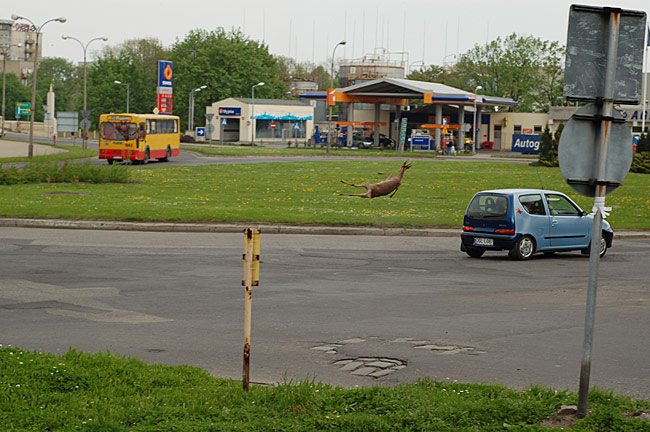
x=85 y=48
x=474 y=126
x=4 y=50
x=190 y=120
x=253 y=110
x=127 y=93
x=329 y=123
x=38 y=33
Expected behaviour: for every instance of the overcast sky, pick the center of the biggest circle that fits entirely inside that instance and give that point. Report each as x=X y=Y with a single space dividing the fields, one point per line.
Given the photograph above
x=432 y=31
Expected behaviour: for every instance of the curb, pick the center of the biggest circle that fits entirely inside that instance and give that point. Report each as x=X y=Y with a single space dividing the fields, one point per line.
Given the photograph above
x=240 y=227
x=224 y=228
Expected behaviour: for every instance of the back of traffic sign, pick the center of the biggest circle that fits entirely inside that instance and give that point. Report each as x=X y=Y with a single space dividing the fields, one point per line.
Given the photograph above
x=579 y=150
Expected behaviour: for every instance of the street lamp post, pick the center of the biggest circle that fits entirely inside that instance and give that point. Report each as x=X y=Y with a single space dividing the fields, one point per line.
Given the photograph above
x=253 y=110
x=190 y=121
x=14 y=17
x=329 y=123
x=127 y=93
x=474 y=126
x=85 y=48
x=4 y=51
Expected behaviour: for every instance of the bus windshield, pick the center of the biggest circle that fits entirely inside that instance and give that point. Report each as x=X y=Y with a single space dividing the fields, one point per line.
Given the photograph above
x=118 y=131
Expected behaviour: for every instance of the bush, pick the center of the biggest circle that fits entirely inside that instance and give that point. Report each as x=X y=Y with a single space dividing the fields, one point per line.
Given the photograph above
x=187 y=139
x=67 y=172
x=644 y=144
x=549 y=147
x=641 y=163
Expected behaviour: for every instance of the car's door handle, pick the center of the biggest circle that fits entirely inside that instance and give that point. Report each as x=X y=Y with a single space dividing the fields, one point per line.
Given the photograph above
x=554 y=222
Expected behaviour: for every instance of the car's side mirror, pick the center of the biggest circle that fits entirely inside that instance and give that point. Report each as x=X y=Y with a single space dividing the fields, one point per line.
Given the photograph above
x=583 y=213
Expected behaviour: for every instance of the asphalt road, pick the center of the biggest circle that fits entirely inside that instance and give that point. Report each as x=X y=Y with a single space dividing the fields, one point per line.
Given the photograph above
x=416 y=301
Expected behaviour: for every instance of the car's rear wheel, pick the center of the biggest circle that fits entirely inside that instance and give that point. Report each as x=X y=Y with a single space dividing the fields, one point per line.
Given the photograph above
x=474 y=252
x=109 y=161
x=524 y=249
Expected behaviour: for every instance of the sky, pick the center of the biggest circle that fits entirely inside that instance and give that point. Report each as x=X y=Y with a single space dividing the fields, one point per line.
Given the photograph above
x=429 y=32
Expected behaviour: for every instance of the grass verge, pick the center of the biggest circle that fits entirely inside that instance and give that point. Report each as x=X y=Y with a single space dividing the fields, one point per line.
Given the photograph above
x=432 y=194
x=72 y=152
x=101 y=392
x=225 y=150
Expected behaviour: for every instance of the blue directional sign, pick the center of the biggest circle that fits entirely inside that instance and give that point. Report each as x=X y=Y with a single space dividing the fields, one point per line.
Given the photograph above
x=200 y=131
x=296 y=125
x=224 y=121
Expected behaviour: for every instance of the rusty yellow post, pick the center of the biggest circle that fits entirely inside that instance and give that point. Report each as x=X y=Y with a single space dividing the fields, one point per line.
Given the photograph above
x=251 y=278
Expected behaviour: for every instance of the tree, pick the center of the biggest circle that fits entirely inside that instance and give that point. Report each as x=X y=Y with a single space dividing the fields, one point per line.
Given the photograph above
x=432 y=73
x=15 y=92
x=62 y=75
x=523 y=68
x=135 y=63
x=228 y=63
x=548 y=150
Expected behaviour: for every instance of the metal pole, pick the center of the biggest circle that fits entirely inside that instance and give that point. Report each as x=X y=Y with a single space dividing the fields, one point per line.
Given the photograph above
x=474 y=125
x=30 y=152
x=251 y=278
x=128 y=97
x=248 y=305
x=596 y=232
x=329 y=122
x=190 y=114
x=4 y=70
x=84 y=142
x=253 y=117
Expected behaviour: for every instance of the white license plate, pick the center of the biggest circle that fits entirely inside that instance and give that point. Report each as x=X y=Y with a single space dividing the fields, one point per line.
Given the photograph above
x=480 y=241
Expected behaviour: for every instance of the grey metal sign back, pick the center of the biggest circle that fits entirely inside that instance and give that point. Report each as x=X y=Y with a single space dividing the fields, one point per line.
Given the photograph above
x=586 y=57
x=67 y=121
x=578 y=155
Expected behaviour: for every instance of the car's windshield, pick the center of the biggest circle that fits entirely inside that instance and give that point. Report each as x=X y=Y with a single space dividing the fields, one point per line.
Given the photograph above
x=488 y=206
x=118 y=131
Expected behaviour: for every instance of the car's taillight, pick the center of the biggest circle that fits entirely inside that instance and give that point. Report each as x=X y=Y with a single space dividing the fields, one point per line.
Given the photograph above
x=504 y=231
x=466 y=228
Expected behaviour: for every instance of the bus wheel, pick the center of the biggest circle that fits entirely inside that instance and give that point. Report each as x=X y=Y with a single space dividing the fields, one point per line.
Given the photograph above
x=167 y=156
x=110 y=161
x=146 y=156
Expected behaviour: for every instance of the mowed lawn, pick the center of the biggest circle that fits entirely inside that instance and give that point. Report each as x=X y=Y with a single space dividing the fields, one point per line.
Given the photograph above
x=432 y=194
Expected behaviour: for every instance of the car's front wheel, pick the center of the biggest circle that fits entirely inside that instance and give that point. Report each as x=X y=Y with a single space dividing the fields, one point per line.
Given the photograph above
x=603 y=247
x=524 y=249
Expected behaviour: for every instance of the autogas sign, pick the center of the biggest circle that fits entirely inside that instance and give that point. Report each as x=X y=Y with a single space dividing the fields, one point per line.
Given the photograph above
x=526 y=143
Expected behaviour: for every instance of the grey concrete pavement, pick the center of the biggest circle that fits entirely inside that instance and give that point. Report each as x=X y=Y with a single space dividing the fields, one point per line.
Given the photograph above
x=10 y=149
x=345 y=310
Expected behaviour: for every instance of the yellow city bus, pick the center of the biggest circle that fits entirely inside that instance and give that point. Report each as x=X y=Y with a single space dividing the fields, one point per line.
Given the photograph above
x=138 y=137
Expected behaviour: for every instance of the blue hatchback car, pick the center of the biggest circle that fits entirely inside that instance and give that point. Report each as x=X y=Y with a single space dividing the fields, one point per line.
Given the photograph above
x=526 y=221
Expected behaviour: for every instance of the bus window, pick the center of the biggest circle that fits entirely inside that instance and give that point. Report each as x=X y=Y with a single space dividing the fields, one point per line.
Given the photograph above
x=108 y=131
x=148 y=126
x=118 y=131
x=143 y=132
x=153 y=126
x=175 y=126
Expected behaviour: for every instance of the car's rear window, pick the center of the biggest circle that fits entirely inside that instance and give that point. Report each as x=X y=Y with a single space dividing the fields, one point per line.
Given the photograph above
x=488 y=207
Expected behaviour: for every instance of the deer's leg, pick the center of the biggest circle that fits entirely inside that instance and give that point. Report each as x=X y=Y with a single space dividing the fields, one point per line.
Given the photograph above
x=394 y=192
x=365 y=195
x=355 y=185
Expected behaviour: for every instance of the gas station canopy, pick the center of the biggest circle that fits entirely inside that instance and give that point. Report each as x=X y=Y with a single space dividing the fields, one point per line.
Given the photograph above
x=396 y=91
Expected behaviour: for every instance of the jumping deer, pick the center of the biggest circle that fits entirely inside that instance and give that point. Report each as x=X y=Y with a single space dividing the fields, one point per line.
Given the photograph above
x=388 y=186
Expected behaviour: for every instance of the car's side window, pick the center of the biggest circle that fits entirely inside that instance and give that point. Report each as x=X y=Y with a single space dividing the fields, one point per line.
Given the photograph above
x=559 y=205
x=533 y=204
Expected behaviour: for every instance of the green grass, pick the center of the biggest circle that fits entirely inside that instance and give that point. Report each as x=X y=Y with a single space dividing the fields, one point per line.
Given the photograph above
x=432 y=194
x=232 y=150
x=101 y=392
x=73 y=152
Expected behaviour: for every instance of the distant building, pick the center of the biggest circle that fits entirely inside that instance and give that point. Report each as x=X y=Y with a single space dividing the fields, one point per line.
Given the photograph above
x=20 y=60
